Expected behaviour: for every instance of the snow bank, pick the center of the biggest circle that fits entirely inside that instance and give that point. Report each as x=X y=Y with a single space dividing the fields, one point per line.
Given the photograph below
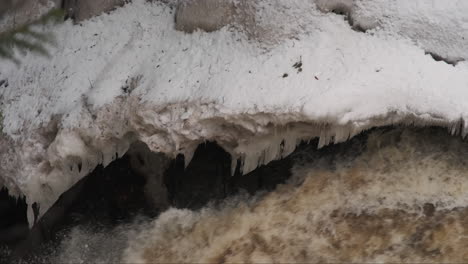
x=131 y=76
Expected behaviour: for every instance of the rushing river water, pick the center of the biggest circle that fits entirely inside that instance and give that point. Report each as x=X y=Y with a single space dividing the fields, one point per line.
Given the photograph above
x=392 y=195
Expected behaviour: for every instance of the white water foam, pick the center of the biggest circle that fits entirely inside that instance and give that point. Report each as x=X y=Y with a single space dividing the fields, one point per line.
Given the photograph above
x=399 y=196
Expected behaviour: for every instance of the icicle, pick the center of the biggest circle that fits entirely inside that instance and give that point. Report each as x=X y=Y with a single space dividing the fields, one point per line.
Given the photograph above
x=107 y=158
x=460 y=126
x=30 y=215
x=290 y=144
x=341 y=134
x=122 y=148
x=234 y=160
x=188 y=155
x=272 y=152
x=463 y=128
x=323 y=139
x=242 y=161
x=250 y=162
x=452 y=129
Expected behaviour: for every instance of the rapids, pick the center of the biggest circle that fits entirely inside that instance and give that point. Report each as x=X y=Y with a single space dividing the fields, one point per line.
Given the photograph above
x=387 y=195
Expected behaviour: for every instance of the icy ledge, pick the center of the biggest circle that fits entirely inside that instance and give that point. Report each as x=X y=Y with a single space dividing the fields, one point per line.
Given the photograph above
x=53 y=162
x=130 y=76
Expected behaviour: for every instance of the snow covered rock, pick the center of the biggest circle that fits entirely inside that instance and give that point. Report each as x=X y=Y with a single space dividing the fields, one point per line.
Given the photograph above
x=294 y=73
x=439 y=27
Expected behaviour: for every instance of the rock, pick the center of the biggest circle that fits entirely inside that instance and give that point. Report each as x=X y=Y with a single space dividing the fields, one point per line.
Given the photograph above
x=343 y=7
x=206 y=15
x=20 y=13
x=80 y=10
x=252 y=17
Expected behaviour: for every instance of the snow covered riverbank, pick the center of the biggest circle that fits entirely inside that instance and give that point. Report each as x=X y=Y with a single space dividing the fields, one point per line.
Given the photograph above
x=131 y=76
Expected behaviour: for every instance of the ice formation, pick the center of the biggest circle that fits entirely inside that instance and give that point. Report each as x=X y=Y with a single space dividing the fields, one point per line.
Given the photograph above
x=258 y=89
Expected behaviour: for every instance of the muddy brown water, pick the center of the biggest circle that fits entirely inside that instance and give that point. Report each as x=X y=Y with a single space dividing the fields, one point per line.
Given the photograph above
x=387 y=195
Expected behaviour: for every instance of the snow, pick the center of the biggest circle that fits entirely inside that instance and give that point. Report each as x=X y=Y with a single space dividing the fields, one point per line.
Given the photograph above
x=66 y=114
x=438 y=27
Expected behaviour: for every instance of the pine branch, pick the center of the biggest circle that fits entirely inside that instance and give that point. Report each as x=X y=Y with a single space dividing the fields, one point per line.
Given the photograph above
x=24 y=45
x=7 y=54
x=24 y=38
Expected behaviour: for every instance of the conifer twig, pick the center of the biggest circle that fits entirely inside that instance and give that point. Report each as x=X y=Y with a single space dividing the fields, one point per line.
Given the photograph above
x=24 y=38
